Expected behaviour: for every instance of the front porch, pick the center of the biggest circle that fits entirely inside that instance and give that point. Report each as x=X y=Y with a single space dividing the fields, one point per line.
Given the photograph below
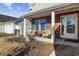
x=62 y=47
x=66 y=48
x=67 y=43
x=55 y=14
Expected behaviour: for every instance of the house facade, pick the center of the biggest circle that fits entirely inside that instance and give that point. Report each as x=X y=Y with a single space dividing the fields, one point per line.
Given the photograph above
x=59 y=20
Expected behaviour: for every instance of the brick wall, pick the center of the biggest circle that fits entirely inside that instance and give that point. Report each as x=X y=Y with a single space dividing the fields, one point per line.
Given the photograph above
x=48 y=31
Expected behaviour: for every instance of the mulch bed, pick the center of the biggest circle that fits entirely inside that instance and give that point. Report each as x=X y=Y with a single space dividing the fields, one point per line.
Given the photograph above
x=37 y=48
x=9 y=48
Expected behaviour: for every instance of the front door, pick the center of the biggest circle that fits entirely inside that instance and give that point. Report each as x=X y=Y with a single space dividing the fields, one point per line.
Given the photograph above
x=69 y=26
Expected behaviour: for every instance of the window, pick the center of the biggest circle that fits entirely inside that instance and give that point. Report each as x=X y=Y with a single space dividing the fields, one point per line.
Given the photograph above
x=62 y=25
x=44 y=24
x=33 y=25
x=33 y=22
x=70 y=24
x=37 y=27
x=37 y=24
x=40 y=24
x=42 y=27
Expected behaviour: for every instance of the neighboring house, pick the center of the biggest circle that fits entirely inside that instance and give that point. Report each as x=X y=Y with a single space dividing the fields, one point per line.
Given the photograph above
x=8 y=24
x=60 y=20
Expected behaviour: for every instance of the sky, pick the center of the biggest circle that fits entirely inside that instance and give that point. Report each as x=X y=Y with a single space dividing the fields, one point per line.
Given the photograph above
x=14 y=9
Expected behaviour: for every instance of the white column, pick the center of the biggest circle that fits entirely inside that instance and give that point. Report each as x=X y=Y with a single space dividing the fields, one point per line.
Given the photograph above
x=39 y=26
x=53 y=29
x=53 y=25
x=24 y=32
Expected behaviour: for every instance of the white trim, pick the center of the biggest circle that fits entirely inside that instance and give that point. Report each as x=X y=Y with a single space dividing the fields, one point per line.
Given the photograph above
x=53 y=25
x=39 y=27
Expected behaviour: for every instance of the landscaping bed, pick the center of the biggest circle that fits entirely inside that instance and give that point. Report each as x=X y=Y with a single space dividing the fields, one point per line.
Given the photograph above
x=11 y=46
x=6 y=35
x=37 y=48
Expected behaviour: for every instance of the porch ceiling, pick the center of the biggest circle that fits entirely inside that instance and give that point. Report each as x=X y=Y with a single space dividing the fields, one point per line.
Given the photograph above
x=4 y=18
x=58 y=9
x=40 y=14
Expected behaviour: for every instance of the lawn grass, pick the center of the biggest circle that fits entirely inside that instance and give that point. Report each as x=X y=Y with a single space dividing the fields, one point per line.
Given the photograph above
x=38 y=48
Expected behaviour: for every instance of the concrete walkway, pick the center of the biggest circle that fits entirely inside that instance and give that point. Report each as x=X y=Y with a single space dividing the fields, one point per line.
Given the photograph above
x=48 y=40
x=52 y=54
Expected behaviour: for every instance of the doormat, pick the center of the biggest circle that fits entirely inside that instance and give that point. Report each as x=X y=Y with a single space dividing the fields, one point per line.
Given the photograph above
x=72 y=40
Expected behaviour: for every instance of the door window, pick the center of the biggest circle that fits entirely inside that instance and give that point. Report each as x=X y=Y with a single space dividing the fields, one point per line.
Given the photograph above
x=62 y=25
x=70 y=24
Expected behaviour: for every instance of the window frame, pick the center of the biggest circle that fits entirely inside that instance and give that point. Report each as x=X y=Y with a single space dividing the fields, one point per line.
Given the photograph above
x=40 y=24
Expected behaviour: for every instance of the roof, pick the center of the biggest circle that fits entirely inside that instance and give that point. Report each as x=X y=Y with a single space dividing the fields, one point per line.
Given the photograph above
x=18 y=21
x=44 y=10
x=5 y=18
x=49 y=10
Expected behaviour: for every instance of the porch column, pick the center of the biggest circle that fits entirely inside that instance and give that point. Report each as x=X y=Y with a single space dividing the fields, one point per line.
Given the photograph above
x=39 y=27
x=53 y=29
x=53 y=25
x=24 y=32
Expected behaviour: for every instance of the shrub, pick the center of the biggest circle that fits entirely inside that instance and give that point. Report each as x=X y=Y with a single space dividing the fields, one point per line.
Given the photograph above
x=31 y=37
x=6 y=35
x=16 y=39
x=49 y=36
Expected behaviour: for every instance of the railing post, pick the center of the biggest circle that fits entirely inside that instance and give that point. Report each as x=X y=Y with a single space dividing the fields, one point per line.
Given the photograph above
x=24 y=31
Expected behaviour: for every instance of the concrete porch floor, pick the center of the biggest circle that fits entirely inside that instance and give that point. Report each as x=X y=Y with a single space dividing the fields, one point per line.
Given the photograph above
x=66 y=48
x=63 y=42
